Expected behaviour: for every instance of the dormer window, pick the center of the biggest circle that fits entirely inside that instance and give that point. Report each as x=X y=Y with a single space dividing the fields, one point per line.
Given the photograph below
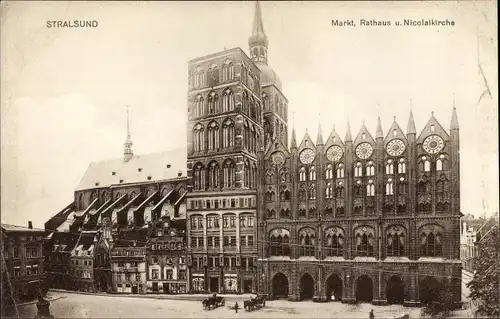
x=113 y=173
x=179 y=174
x=121 y=180
x=96 y=183
x=433 y=128
x=139 y=169
x=149 y=178
x=168 y=165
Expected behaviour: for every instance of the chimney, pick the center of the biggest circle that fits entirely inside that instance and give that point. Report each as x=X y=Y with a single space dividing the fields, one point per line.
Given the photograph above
x=30 y=225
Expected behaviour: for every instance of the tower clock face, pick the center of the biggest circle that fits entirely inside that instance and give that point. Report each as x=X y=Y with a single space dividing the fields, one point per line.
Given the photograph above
x=307 y=156
x=433 y=144
x=334 y=153
x=364 y=150
x=395 y=147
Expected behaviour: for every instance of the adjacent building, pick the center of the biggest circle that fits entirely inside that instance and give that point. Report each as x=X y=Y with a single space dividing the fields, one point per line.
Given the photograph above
x=24 y=260
x=166 y=256
x=58 y=247
x=468 y=237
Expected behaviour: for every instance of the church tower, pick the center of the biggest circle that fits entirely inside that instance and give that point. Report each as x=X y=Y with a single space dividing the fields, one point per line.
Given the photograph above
x=275 y=104
x=127 y=152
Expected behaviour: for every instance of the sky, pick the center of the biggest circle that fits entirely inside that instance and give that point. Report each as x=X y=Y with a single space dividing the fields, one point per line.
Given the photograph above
x=65 y=91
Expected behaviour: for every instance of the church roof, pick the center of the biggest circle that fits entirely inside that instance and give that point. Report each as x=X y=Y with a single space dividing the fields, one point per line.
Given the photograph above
x=139 y=169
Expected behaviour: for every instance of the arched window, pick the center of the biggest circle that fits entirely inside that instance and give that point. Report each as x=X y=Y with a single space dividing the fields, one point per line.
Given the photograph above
x=307 y=240
x=253 y=176
x=389 y=167
x=431 y=241
x=358 y=189
x=265 y=101
x=228 y=134
x=227 y=71
x=199 y=177
x=402 y=187
x=213 y=136
x=227 y=101
x=358 y=169
x=370 y=189
x=284 y=213
x=246 y=171
x=370 y=169
x=245 y=102
x=426 y=164
x=229 y=173
x=364 y=241
x=213 y=75
x=312 y=173
x=270 y=177
x=439 y=165
x=329 y=171
x=270 y=196
x=198 y=106
x=280 y=242
x=302 y=174
x=329 y=190
x=312 y=192
x=302 y=212
x=213 y=175
x=395 y=238
x=340 y=191
x=389 y=189
x=401 y=166
x=340 y=170
x=213 y=100
x=198 y=138
x=81 y=203
x=253 y=140
x=334 y=238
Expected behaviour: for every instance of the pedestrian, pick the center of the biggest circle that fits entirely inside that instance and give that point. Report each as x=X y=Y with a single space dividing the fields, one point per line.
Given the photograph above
x=236 y=306
x=372 y=316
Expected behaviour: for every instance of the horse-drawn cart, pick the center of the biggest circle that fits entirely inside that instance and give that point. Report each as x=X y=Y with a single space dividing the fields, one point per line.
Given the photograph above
x=213 y=302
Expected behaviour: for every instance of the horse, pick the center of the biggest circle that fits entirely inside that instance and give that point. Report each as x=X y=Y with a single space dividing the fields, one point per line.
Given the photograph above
x=249 y=304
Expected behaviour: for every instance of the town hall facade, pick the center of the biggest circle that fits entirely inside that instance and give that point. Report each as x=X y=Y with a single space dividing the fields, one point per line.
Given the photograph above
x=367 y=218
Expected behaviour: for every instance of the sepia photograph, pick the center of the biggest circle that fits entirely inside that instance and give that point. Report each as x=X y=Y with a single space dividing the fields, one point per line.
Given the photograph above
x=249 y=159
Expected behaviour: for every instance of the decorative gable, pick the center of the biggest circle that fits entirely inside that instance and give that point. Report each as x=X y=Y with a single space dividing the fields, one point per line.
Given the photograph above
x=394 y=132
x=364 y=136
x=334 y=139
x=432 y=128
x=307 y=142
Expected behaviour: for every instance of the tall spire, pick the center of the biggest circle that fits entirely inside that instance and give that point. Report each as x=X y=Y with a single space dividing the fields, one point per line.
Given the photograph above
x=410 y=128
x=293 y=143
x=319 y=139
x=127 y=152
x=348 y=136
x=454 y=117
x=258 y=40
x=379 y=133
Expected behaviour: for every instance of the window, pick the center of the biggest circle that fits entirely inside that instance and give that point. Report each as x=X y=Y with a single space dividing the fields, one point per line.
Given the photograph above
x=340 y=171
x=155 y=273
x=306 y=242
x=182 y=274
x=226 y=241
x=427 y=164
x=16 y=252
x=431 y=244
x=329 y=171
x=370 y=189
x=199 y=177
x=334 y=241
x=364 y=243
x=213 y=136
x=225 y=221
x=228 y=134
x=232 y=222
x=243 y=241
x=329 y=190
x=312 y=192
x=302 y=174
x=395 y=242
x=31 y=252
x=280 y=239
x=217 y=241
x=401 y=166
x=198 y=138
x=169 y=274
x=389 y=190
x=250 y=241
x=439 y=165
x=312 y=173
x=370 y=169
x=389 y=167
x=233 y=241
x=358 y=170
x=229 y=174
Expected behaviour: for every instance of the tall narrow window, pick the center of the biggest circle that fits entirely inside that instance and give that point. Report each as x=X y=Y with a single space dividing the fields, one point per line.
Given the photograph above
x=302 y=174
x=329 y=190
x=389 y=167
x=370 y=169
x=229 y=173
x=312 y=173
x=228 y=134
x=401 y=166
x=312 y=192
x=389 y=189
x=213 y=136
x=358 y=170
x=340 y=171
x=329 y=171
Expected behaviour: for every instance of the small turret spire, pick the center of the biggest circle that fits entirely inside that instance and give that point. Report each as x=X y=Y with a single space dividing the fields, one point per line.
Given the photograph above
x=454 y=118
x=127 y=152
x=348 y=135
x=258 y=40
x=410 y=128
x=379 y=133
x=319 y=139
x=293 y=143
